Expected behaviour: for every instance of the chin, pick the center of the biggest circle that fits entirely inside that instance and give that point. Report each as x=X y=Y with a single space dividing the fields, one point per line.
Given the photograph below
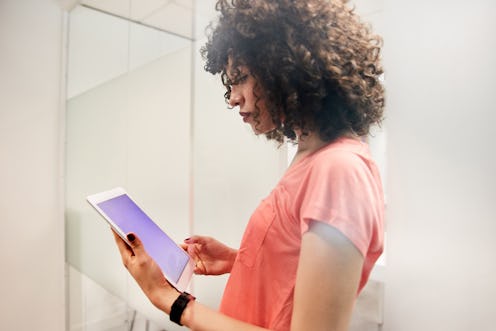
x=258 y=131
x=261 y=128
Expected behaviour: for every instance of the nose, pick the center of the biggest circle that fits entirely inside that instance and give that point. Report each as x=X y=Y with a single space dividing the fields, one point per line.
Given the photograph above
x=236 y=97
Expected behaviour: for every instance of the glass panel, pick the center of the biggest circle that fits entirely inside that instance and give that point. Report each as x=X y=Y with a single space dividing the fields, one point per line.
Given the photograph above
x=128 y=124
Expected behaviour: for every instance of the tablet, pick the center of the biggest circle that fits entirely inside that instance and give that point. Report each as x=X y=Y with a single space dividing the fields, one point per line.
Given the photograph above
x=124 y=216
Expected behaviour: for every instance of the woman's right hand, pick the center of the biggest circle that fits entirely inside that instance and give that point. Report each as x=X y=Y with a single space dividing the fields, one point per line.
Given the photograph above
x=211 y=256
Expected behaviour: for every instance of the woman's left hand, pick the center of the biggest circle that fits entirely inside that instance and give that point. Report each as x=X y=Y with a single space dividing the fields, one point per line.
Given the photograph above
x=146 y=272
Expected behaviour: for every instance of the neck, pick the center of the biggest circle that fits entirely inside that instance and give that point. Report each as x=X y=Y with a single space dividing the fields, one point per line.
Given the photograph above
x=308 y=144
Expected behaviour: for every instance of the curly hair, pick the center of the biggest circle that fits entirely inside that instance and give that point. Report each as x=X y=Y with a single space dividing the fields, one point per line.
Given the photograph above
x=317 y=64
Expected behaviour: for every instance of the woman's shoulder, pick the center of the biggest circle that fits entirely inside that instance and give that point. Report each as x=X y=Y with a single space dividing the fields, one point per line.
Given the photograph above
x=343 y=150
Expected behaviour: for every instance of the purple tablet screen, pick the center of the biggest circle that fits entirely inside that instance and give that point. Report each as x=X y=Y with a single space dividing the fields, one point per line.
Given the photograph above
x=130 y=218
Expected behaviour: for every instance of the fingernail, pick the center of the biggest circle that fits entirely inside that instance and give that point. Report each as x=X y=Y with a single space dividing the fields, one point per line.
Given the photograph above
x=187 y=239
x=131 y=237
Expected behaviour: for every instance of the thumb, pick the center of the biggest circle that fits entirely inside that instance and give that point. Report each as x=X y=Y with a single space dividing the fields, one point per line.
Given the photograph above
x=194 y=240
x=135 y=243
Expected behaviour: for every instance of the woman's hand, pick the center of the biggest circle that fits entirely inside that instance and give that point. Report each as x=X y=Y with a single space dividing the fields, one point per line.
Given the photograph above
x=209 y=253
x=211 y=256
x=146 y=272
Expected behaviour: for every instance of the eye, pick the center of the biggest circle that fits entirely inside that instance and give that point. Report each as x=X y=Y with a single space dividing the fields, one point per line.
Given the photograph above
x=226 y=81
x=239 y=80
x=227 y=95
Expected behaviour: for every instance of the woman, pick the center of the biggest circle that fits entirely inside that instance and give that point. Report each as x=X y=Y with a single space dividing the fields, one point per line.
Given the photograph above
x=307 y=71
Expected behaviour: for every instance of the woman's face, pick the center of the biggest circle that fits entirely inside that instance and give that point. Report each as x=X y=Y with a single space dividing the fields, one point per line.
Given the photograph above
x=249 y=105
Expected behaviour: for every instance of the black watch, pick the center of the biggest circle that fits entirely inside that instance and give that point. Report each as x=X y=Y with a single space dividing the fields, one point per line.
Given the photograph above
x=179 y=305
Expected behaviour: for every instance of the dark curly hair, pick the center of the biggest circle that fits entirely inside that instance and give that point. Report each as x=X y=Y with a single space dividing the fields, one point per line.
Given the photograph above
x=317 y=64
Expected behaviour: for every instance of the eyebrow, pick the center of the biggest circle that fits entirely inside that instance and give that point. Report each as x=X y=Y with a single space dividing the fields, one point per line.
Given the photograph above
x=238 y=72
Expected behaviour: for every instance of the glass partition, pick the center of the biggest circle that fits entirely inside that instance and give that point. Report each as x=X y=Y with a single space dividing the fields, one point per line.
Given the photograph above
x=128 y=124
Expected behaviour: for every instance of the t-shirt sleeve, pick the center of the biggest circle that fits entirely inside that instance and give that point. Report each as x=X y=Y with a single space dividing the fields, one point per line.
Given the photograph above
x=342 y=189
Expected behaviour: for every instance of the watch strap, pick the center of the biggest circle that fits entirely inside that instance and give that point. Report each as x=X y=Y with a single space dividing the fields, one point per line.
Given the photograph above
x=179 y=305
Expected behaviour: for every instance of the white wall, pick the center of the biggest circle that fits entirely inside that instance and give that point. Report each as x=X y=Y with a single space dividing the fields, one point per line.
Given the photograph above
x=32 y=228
x=441 y=218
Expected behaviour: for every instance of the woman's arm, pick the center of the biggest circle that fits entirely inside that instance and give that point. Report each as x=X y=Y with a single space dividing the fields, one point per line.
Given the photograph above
x=199 y=317
x=327 y=280
x=161 y=294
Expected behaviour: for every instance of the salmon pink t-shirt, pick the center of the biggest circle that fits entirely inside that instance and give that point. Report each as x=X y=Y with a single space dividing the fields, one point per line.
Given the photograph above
x=339 y=185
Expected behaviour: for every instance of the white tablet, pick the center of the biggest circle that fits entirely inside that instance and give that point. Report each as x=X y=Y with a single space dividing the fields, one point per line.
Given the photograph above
x=124 y=216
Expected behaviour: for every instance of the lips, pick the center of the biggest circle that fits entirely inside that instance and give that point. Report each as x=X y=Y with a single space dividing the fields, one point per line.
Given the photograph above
x=245 y=116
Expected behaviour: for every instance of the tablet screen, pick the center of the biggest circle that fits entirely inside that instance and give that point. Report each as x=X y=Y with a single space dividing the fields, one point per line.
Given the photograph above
x=130 y=218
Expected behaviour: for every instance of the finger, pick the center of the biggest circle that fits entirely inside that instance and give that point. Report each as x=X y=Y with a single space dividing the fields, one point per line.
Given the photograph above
x=123 y=247
x=199 y=268
x=193 y=246
x=195 y=240
x=136 y=244
x=194 y=252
